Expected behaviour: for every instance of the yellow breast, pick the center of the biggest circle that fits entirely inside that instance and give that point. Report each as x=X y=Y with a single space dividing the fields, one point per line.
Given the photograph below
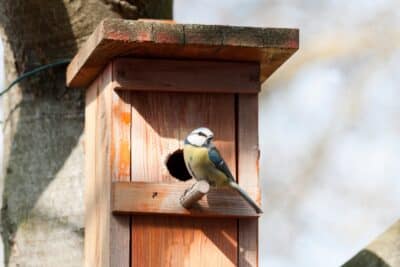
x=200 y=166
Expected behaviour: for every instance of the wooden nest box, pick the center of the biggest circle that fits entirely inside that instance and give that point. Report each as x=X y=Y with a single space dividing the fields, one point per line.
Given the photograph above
x=148 y=85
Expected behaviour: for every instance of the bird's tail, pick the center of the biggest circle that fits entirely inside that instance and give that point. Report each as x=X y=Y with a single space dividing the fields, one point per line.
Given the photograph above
x=245 y=196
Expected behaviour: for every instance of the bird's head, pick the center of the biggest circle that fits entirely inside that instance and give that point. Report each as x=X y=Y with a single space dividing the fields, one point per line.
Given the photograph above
x=200 y=137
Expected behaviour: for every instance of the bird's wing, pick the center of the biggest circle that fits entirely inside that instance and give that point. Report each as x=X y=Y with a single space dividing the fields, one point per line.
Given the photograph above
x=219 y=162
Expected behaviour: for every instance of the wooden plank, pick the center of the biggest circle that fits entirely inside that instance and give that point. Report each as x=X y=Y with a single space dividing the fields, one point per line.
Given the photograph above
x=121 y=136
x=186 y=76
x=90 y=194
x=108 y=159
x=113 y=38
x=172 y=241
x=103 y=169
x=163 y=198
x=121 y=171
x=97 y=218
x=248 y=156
x=160 y=122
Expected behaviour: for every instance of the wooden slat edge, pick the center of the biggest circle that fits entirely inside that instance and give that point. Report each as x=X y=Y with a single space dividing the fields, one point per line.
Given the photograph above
x=200 y=34
x=162 y=198
x=273 y=62
x=248 y=156
x=75 y=73
x=120 y=171
x=90 y=194
x=186 y=76
x=102 y=186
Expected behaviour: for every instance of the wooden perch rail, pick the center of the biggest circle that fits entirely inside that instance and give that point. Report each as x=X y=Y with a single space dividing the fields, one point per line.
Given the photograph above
x=194 y=193
x=163 y=198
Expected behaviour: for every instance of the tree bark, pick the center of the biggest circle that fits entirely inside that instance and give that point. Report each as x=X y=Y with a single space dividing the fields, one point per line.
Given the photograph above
x=384 y=251
x=42 y=202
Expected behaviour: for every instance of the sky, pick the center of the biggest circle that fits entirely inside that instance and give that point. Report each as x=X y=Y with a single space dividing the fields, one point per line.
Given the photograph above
x=329 y=129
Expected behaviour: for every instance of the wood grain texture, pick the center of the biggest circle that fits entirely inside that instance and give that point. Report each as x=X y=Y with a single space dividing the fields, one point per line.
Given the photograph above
x=162 y=198
x=248 y=157
x=121 y=171
x=180 y=242
x=100 y=243
x=133 y=133
x=121 y=136
x=90 y=194
x=186 y=76
x=107 y=142
x=194 y=193
x=160 y=122
x=269 y=47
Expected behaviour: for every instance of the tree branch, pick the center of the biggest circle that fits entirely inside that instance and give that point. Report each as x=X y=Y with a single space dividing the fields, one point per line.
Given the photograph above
x=124 y=7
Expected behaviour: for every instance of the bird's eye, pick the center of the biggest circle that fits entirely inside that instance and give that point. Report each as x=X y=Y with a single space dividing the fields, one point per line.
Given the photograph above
x=202 y=134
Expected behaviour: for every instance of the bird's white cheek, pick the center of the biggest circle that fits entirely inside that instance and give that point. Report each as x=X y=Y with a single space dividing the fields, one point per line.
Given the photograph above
x=196 y=140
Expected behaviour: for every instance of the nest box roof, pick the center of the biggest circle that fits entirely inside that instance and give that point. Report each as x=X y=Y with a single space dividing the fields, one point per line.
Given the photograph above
x=113 y=38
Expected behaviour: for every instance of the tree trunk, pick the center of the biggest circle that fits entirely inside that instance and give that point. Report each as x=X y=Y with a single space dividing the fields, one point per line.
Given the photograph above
x=384 y=251
x=42 y=202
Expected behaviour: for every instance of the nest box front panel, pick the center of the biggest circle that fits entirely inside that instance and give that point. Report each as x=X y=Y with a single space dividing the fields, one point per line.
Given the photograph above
x=160 y=123
x=130 y=134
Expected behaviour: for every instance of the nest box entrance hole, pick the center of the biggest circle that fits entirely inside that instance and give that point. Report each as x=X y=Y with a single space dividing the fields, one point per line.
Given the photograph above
x=176 y=166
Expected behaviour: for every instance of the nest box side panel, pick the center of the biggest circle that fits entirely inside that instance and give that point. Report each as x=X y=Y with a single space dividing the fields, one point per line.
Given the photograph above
x=97 y=217
x=90 y=168
x=107 y=158
x=160 y=122
x=248 y=174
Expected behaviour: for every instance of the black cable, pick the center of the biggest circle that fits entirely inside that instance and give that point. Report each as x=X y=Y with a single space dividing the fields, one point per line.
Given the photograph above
x=34 y=71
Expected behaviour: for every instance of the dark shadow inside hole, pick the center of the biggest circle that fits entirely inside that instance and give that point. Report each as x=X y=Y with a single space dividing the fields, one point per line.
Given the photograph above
x=176 y=166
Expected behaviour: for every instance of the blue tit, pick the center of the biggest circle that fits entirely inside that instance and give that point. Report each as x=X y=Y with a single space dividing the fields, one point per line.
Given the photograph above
x=204 y=162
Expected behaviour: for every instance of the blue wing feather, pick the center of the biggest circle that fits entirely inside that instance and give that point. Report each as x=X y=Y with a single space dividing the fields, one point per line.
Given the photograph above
x=219 y=162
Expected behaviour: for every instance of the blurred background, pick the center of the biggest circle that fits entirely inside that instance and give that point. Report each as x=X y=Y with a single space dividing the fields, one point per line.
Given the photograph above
x=2 y=85
x=329 y=125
